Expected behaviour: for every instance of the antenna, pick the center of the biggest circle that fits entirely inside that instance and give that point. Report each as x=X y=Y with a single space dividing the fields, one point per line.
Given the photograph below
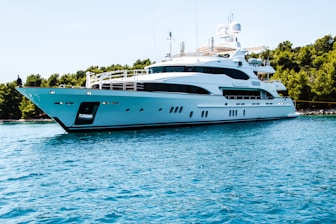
x=230 y=18
x=196 y=9
x=170 y=39
x=212 y=44
x=182 y=48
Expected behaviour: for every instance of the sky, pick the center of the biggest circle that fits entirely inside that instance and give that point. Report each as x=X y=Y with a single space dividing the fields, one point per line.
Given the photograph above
x=48 y=37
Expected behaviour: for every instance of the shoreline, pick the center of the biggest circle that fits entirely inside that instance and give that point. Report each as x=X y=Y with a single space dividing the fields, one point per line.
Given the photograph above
x=42 y=120
x=307 y=112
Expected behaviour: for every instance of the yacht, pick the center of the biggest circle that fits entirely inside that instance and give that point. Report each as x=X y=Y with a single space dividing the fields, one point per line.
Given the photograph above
x=214 y=85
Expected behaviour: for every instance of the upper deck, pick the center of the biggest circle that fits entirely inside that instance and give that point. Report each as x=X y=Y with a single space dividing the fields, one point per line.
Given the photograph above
x=234 y=66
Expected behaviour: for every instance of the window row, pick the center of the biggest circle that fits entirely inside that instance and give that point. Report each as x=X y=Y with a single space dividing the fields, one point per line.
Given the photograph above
x=167 y=87
x=246 y=94
x=233 y=73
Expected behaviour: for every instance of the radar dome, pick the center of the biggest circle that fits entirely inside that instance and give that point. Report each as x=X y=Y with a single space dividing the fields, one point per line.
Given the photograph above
x=235 y=27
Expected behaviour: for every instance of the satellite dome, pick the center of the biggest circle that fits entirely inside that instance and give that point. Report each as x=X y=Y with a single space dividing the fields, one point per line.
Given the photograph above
x=235 y=28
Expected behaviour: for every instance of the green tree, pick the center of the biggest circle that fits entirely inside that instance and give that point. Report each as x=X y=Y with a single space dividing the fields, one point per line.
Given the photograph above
x=141 y=64
x=53 y=80
x=318 y=61
x=323 y=45
x=9 y=101
x=282 y=75
x=304 y=57
x=28 y=109
x=68 y=79
x=285 y=46
x=80 y=77
x=34 y=80
x=94 y=69
x=298 y=86
x=324 y=85
x=285 y=57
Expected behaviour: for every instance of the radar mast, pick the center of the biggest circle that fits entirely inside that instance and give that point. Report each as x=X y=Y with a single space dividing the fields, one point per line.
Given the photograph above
x=229 y=33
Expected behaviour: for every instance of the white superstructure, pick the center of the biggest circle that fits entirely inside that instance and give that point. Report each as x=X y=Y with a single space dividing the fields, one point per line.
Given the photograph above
x=216 y=85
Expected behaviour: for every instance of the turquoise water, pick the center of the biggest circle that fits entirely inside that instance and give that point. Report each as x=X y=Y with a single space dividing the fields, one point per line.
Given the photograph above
x=261 y=172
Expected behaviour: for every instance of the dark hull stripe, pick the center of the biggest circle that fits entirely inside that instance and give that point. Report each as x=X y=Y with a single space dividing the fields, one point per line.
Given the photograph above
x=156 y=125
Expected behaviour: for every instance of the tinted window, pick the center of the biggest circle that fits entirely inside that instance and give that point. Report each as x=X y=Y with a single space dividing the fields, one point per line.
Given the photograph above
x=233 y=73
x=175 y=69
x=165 y=87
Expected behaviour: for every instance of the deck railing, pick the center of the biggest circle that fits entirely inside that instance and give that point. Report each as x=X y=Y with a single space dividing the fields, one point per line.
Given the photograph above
x=121 y=79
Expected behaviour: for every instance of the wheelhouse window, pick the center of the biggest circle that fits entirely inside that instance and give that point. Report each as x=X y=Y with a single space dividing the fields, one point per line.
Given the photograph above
x=233 y=73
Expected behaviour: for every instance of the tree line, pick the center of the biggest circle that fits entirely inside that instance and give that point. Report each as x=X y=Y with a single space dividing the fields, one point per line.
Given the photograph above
x=308 y=72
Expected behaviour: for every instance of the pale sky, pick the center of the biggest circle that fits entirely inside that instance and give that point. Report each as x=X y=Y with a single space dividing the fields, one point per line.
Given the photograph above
x=64 y=36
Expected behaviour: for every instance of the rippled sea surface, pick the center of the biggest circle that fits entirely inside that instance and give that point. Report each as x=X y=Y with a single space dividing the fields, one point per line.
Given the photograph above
x=262 y=172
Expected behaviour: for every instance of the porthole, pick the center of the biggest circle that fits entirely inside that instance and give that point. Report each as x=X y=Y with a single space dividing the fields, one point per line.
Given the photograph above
x=233 y=113
x=176 y=109
x=171 y=109
x=127 y=109
x=191 y=114
x=181 y=108
x=141 y=109
x=206 y=113
x=160 y=109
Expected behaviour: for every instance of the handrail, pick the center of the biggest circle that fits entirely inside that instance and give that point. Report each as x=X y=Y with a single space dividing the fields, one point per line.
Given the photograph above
x=119 y=76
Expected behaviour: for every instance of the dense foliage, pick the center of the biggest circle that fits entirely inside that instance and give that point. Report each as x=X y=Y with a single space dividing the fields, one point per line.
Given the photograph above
x=308 y=72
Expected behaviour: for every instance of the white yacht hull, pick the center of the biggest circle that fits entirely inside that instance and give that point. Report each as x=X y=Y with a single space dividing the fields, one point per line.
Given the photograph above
x=93 y=109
